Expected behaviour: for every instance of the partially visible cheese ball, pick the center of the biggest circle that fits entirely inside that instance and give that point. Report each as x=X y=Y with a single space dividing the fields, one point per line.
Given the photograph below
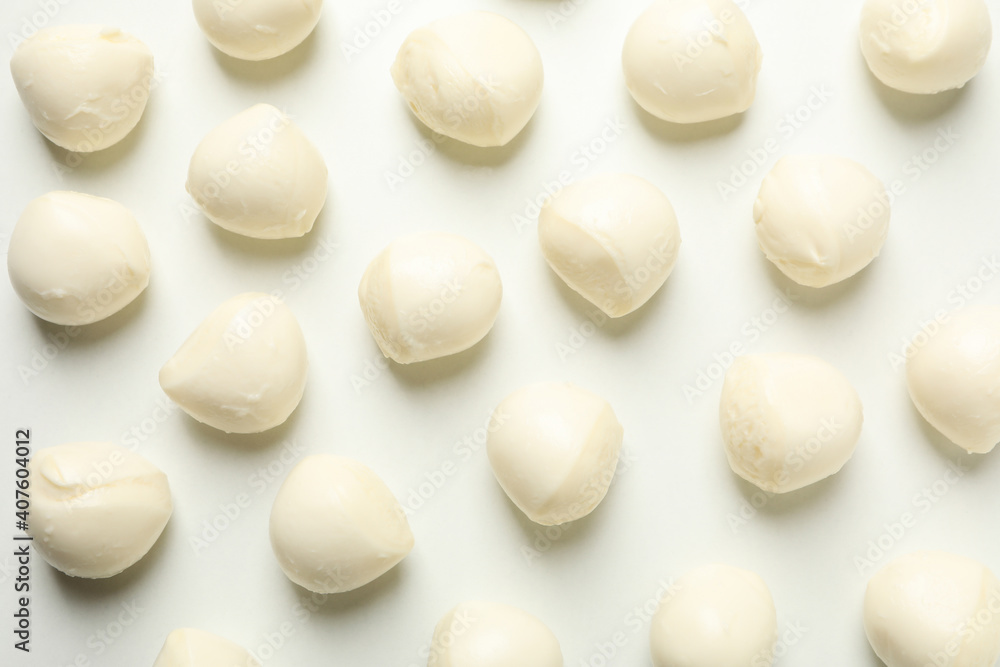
x=934 y=608
x=476 y=77
x=788 y=420
x=614 y=239
x=554 y=450
x=257 y=29
x=954 y=378
x=430 y=295
x=925 y=47
x=243 y=370
x=258 y=175
x=76 y=259
x=691 y=61
x=821 y=218
x=187 y=647
x=84 y=86
x=715 y=616
x=488 y=634
x=335 y=526
x=96 y=508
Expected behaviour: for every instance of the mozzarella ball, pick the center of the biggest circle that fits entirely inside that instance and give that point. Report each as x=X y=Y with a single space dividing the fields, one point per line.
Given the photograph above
x=187 y=647
x=934 y=608
x=96 y=508
x=691 y=61
x=84 y=86
x=821 y=218
x=925 y=47
x=430 y=295
x=554 y=449
x=954 y=378
x=476 y=77
x=715 y=616
x=257 y=29
x=335 y=526
x=243 y=370
x=788 y=420
x=75 y=259
x=258 y=175
x=613 y=239
x=487 y=634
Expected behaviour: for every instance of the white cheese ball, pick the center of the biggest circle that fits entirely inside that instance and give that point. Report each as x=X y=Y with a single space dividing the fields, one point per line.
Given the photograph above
x=187 y=647
x=243 y=369
x=96 y=508
x=954 y=379
x=258 y=175
x=257 y=29
x=75 y=259
x=335 y=526
x=788 y=420
x=429 y=295
x=476 y=77
x=691 y=61
x=821 y=218
x=715 y=616
x=488 y=634
x=613 y=239
x=84 y=86
x=554 y=450
x=934 y=608
x=925 y=46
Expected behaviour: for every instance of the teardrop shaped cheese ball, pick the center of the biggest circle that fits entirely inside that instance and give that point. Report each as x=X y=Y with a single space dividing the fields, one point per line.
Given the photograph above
x=335 y=526
x=243 y=370
x=925 y=47
x=96 y=508
x=613 y=239
x=954 y=378
x=476 y=77
x=258 y=175
x=430 y=295
x=554 y=450
x=821 y=218
x=187 y=647
x=934 y=608
x=256 y=29
x=84 y=86
x=691 y=61
x=715 y=616
x=488 y=634
x=788 y=420
x=75 y=259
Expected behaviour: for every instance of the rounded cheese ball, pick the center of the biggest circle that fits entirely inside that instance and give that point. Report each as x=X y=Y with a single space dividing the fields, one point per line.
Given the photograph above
x=691 y=61
x=614 y=239
x=934 y=608
x=821 y=218
x=96 y=508
x=258 y=175
x=487 y=634
x=715 y=616
x=188 y=647
x=257 y=29
x=430 y=295
x=243 y=370
x=554 y=450
x=475 y=77
x=924 y=47
x=954 y=379
x=75 y=259
x=788 y=420
x=84 y=86
x=335 y=526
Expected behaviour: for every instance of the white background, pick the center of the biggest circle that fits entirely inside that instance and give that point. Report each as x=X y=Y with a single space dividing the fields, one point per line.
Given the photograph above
x=673 y=505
